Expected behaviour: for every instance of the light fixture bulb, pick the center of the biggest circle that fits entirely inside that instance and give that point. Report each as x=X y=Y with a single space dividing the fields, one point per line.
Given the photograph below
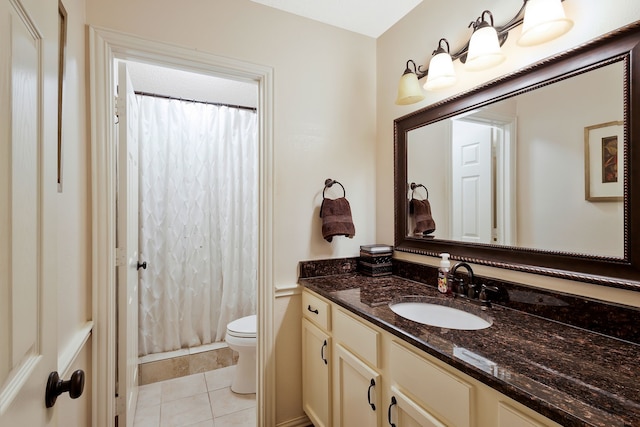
x=544 y=20
x=441 y=73
x=409 y=91
x=484 y=47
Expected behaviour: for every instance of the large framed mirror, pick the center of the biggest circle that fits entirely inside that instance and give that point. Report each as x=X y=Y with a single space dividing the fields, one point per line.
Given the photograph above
x=537 y=171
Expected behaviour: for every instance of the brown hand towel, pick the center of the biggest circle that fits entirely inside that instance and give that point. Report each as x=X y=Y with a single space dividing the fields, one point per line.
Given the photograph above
x=422 y=214
x=336 y=218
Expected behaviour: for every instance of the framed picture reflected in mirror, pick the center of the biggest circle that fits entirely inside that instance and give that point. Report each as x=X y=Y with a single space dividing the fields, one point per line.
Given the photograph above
x=604 y=162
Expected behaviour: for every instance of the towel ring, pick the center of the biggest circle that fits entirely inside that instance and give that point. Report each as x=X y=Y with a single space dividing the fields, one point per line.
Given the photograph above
x=413 y=189
x=328 y=183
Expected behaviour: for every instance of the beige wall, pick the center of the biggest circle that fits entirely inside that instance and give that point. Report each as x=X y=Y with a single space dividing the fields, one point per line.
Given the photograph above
x=324 y=105
x=324 y=127
x=74 y=228
x=77 y=412
x=417 y=35
x=432 y=168
x=74 y=225
x=550 y=171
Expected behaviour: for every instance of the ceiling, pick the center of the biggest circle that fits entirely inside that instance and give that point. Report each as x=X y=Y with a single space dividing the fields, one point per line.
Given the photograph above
x=369 y=17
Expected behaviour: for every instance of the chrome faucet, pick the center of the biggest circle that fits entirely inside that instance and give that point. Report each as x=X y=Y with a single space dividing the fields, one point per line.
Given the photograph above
x=459 y=289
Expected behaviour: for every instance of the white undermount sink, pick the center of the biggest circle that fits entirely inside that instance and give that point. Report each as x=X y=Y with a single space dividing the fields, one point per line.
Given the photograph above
x=433 y=314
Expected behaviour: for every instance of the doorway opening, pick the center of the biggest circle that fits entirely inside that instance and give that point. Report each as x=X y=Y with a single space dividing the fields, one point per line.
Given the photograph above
x=106 y=48
x=197 y=209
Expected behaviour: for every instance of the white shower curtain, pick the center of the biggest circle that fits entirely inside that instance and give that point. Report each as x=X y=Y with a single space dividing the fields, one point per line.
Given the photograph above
x=198 y=221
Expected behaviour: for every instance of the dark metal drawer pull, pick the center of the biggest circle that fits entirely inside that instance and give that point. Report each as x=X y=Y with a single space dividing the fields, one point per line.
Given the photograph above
x=393 y=402
x=313 y=311
x=371 y=385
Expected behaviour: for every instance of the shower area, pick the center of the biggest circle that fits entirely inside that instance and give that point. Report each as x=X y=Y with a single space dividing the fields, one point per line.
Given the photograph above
x=198 y=216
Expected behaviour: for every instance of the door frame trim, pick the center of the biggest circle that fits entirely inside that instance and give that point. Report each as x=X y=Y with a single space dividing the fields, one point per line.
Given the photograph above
x=106 y=46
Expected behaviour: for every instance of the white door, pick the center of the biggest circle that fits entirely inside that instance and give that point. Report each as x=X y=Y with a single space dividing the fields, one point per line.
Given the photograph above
x=472 y=198
x=127 y=252
x=28 y=190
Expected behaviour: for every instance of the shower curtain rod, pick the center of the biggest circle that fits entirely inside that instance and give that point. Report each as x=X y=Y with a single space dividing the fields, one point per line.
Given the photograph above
x=218 y=104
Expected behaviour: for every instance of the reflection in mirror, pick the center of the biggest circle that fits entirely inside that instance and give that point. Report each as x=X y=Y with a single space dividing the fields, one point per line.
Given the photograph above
x=513 y=172
x=533 y=171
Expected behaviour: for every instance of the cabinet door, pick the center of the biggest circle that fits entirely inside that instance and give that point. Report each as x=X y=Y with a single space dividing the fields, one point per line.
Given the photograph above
x=316 y=374
x=404 y=412
x=440 y=391
x=357 y=391
x=511 y=417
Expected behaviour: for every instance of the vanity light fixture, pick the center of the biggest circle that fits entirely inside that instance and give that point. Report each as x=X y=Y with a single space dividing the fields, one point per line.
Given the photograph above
x=409 y=91
x=441 y=74
x=484 y=46
x=543 y=20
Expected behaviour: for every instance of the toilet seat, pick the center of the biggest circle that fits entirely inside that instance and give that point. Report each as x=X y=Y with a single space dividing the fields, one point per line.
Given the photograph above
x=245 y=327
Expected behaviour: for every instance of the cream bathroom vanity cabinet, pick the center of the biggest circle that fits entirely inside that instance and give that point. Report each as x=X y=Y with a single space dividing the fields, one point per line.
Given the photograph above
x=356 y=374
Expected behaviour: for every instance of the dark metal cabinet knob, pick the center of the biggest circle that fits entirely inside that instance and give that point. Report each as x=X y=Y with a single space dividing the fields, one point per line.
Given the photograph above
x=55 y=387
x=143 y=265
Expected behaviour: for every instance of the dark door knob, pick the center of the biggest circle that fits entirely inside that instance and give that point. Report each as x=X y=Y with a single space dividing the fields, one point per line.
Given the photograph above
x=143 y=265
x=56 y=386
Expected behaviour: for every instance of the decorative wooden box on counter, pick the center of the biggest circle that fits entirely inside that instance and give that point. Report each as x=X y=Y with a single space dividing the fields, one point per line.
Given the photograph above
x=521 y=371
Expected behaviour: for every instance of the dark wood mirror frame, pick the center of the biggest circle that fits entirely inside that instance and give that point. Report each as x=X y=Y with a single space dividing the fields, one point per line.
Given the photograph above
x=620 y=45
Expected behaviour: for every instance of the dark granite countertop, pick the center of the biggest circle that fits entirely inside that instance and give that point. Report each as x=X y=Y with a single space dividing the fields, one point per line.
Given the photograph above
x=570 y=375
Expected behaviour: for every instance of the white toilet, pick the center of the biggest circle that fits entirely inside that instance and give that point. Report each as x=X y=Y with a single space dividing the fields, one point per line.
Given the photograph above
x=241 y=337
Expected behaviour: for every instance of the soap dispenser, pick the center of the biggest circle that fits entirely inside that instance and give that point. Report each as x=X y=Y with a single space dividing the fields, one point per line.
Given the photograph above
x=443 y=274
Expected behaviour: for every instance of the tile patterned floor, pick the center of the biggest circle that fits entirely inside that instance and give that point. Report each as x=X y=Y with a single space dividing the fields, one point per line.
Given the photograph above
x=198 y=400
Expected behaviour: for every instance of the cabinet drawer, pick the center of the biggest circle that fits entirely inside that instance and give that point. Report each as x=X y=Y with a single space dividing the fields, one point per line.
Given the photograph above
x=316 y=310
x=436 y=389
x=357 y=337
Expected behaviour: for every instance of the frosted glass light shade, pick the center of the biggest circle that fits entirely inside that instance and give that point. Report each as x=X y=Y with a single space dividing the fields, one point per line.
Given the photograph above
x=441 y=73
x=544 y=20
x=409 y=90
x=484 y=50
